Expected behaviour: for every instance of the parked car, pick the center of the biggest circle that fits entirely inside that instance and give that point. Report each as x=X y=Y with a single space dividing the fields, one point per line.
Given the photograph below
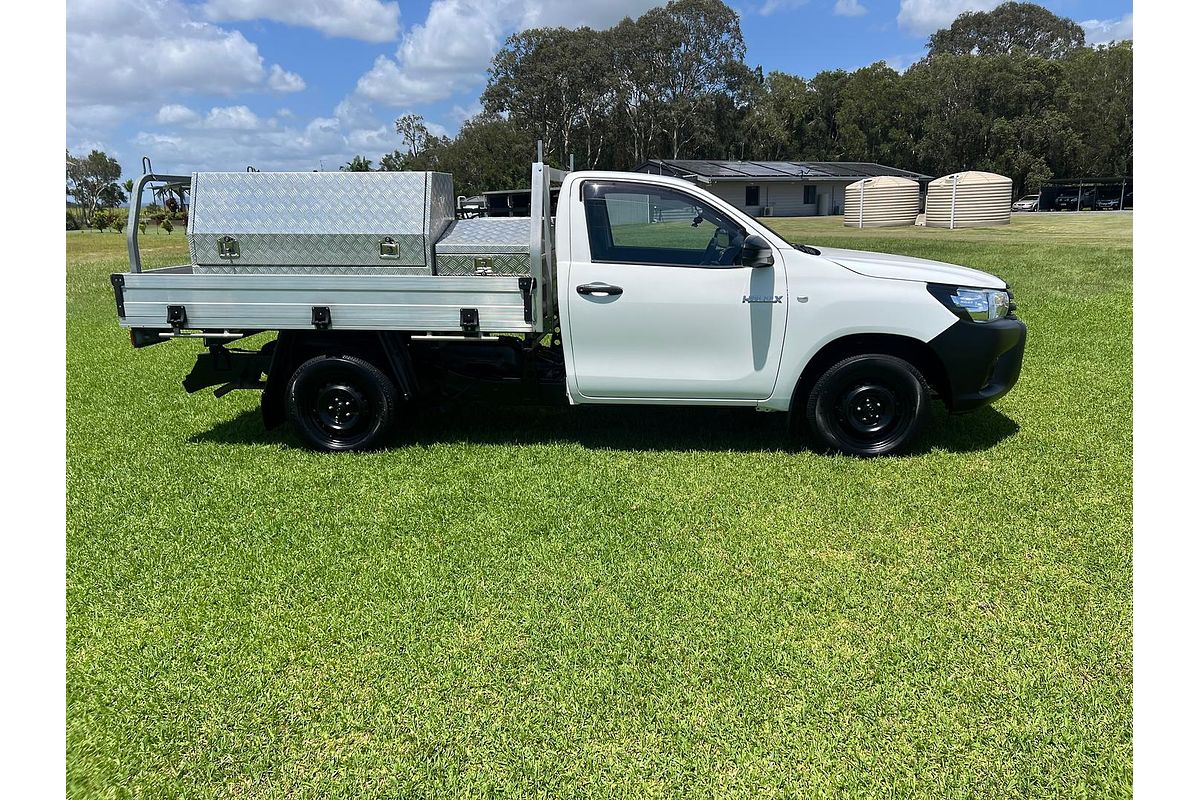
x=1074 y=201
x=631 y=289
x=1114 y=203
x=1027 y=203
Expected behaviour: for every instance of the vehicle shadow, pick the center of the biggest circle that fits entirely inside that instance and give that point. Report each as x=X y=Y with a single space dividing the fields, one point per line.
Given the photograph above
x=652 y=428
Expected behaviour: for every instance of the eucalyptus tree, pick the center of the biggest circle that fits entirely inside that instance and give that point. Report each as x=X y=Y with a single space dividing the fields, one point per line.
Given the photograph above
x=92 y=182
x=1007 y=29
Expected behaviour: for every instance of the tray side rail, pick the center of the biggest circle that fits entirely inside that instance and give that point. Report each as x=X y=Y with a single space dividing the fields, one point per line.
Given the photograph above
x=176 y=300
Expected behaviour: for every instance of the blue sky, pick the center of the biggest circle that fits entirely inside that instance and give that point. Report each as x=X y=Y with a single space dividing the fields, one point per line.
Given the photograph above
x=306 y=84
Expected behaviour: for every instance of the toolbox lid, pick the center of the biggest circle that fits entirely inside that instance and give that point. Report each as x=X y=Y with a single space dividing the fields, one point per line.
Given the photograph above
x=486 y=235
x=315 y=202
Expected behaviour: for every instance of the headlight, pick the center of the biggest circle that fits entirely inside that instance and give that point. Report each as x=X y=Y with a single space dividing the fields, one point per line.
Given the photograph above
x=980 y=305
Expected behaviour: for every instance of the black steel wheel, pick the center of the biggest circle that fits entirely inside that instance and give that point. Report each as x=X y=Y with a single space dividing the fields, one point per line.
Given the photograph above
x=868 y=405
x=338 y=403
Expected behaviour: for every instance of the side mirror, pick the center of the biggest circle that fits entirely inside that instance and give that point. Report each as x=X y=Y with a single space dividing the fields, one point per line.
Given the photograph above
x=756 y=252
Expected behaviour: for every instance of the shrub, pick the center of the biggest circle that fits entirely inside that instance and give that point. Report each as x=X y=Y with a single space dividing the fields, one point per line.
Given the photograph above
x=102 y=220
x=72 y=223
x=166 y=225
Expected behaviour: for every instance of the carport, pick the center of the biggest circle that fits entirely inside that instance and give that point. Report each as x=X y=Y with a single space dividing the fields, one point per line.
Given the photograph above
x=1083 y=194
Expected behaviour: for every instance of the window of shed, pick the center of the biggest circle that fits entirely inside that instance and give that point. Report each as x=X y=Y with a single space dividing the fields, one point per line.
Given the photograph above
x=810 y=195
x=751 y=195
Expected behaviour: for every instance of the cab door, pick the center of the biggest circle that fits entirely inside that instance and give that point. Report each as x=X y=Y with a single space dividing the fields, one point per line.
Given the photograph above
x=660 y=307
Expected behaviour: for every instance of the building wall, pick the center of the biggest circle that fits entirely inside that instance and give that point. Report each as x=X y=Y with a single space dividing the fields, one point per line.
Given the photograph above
x=785 y=198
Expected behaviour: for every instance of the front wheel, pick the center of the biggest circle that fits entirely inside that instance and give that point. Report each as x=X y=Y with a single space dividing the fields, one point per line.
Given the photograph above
x=340 y=402
x=868 y=405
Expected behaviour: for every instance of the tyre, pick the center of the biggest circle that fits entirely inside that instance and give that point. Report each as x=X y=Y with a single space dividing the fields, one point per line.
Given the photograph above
x=340 y=403
x=868 y=405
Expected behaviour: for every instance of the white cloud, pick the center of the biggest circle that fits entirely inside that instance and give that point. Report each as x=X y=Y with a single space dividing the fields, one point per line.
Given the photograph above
x=83 y=147
x=771 y=6
x=367 y=20
x=122 y=52
x=574 y=14
x=446 y=54
x=219 y=118
x=848 y=8
x=96 y=115
x=450 y=51
x=903 y=61
x=1103 y=31
x=354 y=112
x=158 y=140
x=176 y=114
x=320 y=143
x=372 y=142
x=280 y=80
x=460 y=114
x=232 y=118
x=230 y=137
x=923 y=17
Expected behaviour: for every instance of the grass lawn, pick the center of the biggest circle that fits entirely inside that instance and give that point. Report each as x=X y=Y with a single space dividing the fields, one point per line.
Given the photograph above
x=610 y=602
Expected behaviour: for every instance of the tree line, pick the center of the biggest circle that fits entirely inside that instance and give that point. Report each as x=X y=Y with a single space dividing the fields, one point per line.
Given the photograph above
x=1014 y=91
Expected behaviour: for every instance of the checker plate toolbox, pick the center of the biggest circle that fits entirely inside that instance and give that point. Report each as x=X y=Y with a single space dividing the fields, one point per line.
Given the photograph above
x=485 y=246
x=317 y=223
x=378 y=251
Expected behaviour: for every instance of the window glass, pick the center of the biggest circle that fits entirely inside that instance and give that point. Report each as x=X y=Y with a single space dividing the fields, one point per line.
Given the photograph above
x=635 y=224
x=810 y=195
x=751 y=195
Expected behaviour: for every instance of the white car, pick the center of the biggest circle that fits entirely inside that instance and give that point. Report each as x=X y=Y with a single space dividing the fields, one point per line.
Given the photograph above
x=1027 y=203
x=636 y=289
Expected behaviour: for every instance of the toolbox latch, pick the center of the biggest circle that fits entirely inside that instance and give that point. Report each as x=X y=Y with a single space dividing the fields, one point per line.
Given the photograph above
x=389 y=248
x=228 y=248
x=468 y=318
x=320 y=317
x=483 y=265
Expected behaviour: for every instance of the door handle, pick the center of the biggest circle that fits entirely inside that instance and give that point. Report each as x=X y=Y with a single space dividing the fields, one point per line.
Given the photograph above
x=600 y=289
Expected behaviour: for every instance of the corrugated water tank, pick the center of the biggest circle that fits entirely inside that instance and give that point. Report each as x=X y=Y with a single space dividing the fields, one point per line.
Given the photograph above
x=882 y=202
x=969 y=200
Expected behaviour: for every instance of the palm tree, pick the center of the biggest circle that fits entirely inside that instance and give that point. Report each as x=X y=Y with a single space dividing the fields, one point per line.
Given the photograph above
x=357 y=164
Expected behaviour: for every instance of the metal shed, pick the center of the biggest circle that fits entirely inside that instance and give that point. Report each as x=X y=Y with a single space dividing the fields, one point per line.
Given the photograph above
x=969 y=200
x=882 y=202
x=778 y=188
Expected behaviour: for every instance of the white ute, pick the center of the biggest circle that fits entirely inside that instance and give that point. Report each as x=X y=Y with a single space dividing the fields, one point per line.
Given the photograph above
x=629 y=289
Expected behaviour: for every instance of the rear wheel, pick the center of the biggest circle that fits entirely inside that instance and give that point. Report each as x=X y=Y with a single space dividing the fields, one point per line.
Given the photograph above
x=868 y=405
x=339 y=403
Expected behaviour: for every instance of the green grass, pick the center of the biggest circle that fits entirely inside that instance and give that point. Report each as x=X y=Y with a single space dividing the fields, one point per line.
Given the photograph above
x=610 y=602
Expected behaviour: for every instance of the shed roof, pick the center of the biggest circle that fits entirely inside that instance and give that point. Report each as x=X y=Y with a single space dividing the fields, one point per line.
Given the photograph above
x=757 y=171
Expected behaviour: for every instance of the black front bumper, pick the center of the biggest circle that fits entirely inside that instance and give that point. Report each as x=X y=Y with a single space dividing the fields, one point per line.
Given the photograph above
x=982 y=361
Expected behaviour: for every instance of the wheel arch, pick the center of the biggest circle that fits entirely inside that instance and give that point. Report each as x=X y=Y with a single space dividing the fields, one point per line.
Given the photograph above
x=914 y=351
x=387 y=350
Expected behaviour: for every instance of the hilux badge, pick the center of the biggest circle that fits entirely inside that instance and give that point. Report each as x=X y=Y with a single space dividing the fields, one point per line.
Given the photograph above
x=762 y=298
